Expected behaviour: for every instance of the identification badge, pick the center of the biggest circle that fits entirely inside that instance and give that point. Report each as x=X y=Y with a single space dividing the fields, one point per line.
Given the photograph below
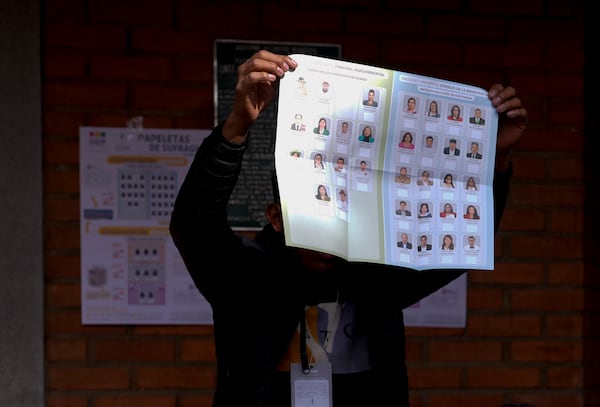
x=312 y=388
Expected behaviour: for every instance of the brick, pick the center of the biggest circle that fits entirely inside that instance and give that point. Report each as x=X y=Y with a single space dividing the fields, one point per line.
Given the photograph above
x=63 y=295
x=565 y=57
x=503 y=326
x=512 y=7
x=566 y=273
x=120 y=120
x=69 y=322
x=503 y=377
x=570 y=168
x=194 y=69
x=172 y=98
x=462 y=399
x=65 y=400
x=155 y=40
x=133 y=68
x=563 y=299
x=550 y=85
x=511 y=273
x=414 y=345
x=61 y=181
x=511 y=56
x=61 y=125
x=66 y=350
x=527 y=167
x=200 y=400
x=114 y=350
x=90 y=95
x=64 y=66
x=556 y=399
x=175 y=377
x=61 y=152
x=201 y=350
x=169 y=330
x=548 y=31
x=545 y=246
x=565 y=377
x=271 y=20
x=464 y=351
x=246 y=18
x=135 y=400
x=395 y=23
x=567 y=221
x=552 y=141
x=87 y=378
x=565 y=112
x=546 y=195
x=545 y=351
x=132 y=12
x=564 y=325
x=412 y=52
x=62 y=236
x=60 y=266
x=64 y=11
x=61 y=209
x=462 y=26
x=484 y=298
x=81 y=36
x=517 y=219
x=434 y=377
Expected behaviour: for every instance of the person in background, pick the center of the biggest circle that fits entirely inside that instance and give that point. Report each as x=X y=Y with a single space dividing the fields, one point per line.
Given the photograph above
x=433 y=110
x=321 y=127
x=318 y=162
x=402 y=209
x=477 y=119
x=471 y=185
x=367 y=135
x=455 y=114
x=471 y=213
x=451 y=148
x=471 y=246
x=448 y=181
x=425 y=181
x=424 y=211
x=340 y=165
x=474 y=153
x=322 y=194
x=424 y=245
x=404 y=243
x=263 y=293
x=448 y=211
x=402 y=177
x=370 y=100
x=407 y=141
x=411 y=106
x=447 y=243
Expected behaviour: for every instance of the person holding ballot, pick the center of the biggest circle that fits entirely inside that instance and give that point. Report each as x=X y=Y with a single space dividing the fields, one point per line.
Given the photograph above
x=281 y=311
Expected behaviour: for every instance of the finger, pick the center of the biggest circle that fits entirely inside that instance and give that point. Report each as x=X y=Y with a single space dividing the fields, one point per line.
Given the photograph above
x=502 y=95
x=509 y=104
x=265 y=61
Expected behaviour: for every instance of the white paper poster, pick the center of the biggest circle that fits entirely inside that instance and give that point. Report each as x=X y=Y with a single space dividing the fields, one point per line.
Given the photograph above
x=131 y=272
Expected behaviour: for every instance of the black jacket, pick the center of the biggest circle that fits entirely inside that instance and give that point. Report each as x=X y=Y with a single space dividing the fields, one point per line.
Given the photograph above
x=258 y=290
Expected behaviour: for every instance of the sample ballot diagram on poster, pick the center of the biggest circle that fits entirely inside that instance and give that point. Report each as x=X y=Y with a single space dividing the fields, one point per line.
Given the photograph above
x=131 y=273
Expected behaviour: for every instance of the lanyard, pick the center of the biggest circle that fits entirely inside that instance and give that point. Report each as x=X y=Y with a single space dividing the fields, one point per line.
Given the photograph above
x=303 y=354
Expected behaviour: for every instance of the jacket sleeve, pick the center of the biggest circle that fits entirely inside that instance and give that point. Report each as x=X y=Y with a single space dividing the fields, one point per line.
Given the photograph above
x=198 y=225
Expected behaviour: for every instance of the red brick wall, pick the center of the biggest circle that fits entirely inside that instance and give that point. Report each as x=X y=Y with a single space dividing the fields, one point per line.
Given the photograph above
x=529 y=322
